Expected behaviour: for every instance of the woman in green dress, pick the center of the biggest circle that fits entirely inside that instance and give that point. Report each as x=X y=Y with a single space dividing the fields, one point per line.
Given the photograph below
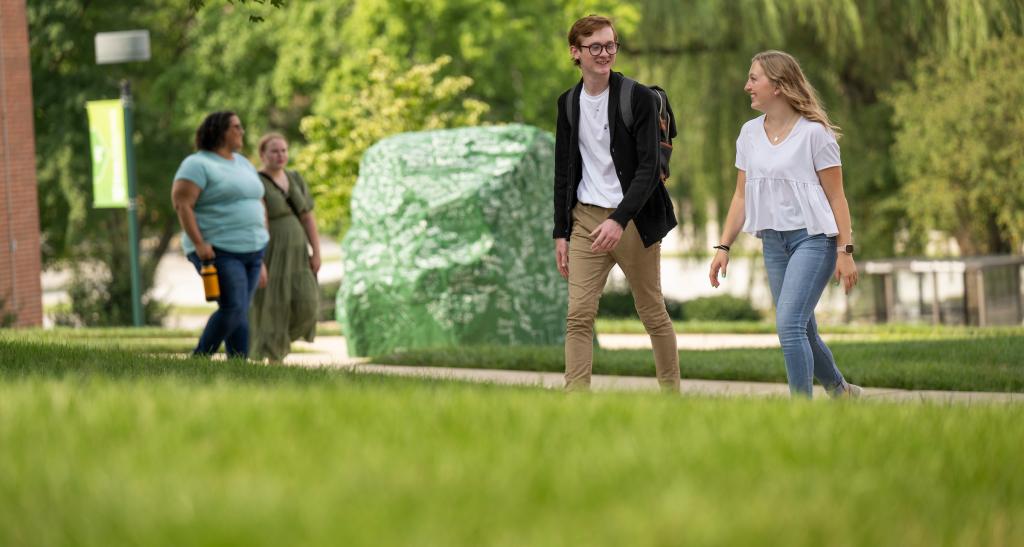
x=286 y=308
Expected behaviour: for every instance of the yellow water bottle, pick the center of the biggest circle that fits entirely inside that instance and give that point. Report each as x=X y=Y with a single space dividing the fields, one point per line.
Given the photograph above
x=211 y=285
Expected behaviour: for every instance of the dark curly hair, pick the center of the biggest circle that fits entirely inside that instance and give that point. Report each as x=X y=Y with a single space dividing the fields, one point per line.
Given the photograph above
x=210 y=134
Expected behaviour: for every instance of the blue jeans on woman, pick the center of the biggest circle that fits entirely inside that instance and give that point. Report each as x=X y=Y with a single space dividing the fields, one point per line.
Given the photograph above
x=238 y=274
x=799 y=267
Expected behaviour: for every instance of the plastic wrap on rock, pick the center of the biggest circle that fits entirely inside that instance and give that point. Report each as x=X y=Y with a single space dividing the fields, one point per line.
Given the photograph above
x=450 y=243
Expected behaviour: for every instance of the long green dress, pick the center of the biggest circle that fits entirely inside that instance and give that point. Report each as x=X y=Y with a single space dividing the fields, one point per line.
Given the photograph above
x=286 y=309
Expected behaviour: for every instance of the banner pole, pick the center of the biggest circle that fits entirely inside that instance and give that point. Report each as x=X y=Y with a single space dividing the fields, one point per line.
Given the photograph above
x=133 y=221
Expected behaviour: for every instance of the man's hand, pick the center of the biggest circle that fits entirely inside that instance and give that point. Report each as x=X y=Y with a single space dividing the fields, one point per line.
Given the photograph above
x=606 y=236
x=205 y=251
x=562 y=256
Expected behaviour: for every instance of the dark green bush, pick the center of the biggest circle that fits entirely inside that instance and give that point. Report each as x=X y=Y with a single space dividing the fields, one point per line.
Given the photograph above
x=720 y=308
x=328 y=292
x=619 y=304
x=101 y=300
x=7 y=317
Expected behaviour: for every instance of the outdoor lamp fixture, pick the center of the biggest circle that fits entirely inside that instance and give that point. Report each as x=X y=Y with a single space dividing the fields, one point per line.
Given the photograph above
x=114 y=155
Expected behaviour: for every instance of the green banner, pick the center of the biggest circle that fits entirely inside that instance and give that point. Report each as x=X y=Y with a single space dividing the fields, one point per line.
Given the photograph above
x=109 y=164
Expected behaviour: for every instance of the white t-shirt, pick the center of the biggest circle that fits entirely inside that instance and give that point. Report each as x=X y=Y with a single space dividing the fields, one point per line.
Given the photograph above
x=600 y=185
x=783 y=191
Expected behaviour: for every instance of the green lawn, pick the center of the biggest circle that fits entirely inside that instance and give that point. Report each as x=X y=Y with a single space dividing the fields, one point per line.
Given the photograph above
x=884 y=330
x=983 y=362
x=109 y=448
x=145 y=339
x=634 y=326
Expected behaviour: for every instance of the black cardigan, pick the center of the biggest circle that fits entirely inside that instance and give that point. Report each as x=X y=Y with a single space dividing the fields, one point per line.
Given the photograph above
x=645 y=199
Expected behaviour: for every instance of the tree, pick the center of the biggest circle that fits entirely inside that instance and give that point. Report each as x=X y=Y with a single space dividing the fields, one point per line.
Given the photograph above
x=515 y=51
x=254 y=17
x=853 y=51
x=364 y=102
x=959 y=151
x=213 y=59
x=64 y=77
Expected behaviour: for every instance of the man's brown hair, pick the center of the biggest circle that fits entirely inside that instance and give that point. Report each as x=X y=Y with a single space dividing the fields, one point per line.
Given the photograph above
x=585 y=26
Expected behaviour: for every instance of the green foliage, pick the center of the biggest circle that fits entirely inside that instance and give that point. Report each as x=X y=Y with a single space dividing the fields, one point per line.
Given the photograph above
x=853 y=51
x=619 y=304
x=328 y=299
x=723 y=307
x=959 y=148
x=64 y=77
x=201 y=62
x=196 y=5
x=7 y=317
x=358 y=107
x=94 y=301
x=307 y=57
x=515 y=51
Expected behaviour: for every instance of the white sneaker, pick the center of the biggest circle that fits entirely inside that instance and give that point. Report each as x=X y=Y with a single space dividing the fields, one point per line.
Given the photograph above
x=852 y=391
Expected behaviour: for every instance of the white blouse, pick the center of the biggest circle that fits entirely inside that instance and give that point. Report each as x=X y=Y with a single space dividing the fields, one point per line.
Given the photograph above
x=783 y=191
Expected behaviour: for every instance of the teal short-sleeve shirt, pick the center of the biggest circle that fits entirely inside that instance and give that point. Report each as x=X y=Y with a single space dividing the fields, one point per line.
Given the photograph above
x=229 y=210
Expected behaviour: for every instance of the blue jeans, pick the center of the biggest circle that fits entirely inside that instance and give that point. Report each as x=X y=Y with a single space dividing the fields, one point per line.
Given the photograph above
x=238 y=274
x=799 y=267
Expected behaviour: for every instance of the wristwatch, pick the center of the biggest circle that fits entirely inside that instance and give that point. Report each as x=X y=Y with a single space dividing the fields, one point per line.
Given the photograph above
x=848 y=248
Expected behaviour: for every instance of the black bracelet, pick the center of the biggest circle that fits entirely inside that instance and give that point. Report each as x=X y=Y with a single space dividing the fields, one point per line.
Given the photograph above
x=721 y=248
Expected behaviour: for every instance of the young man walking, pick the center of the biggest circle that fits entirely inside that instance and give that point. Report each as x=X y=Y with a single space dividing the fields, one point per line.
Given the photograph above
x=611 y=206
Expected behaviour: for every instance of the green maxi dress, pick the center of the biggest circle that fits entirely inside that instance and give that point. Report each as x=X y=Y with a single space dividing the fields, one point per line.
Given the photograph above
x=286 y=309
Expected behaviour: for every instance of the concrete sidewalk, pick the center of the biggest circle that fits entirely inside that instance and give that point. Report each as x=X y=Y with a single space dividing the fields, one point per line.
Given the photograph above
x=331 y=351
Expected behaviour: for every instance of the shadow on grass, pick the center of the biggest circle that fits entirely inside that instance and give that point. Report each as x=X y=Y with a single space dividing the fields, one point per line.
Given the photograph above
x=965 y=364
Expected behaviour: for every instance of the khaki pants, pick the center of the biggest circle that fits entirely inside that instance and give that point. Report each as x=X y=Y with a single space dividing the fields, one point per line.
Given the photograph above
x=588 y=272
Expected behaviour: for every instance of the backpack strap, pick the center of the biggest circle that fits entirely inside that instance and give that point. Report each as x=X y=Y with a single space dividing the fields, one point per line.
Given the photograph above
x=567 y=106
x=287 y=198
x=626 y=102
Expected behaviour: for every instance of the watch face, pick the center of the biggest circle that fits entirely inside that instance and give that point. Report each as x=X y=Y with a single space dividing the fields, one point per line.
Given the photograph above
x=848 y=248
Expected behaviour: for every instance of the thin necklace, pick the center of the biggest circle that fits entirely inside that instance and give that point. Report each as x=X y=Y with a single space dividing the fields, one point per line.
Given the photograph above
x=778 y=136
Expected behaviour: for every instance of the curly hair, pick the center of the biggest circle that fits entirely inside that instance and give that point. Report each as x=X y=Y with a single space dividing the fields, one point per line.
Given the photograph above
x=210 y=134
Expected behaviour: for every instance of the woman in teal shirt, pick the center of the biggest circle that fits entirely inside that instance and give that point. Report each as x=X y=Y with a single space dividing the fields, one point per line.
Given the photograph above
x=219 y=200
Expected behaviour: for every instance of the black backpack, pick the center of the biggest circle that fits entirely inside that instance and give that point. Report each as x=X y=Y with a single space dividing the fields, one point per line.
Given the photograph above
x=666 y=120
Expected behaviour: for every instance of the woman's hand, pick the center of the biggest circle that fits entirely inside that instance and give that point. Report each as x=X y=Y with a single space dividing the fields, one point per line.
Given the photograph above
x=263 y=276
x=846 y=271
x=314 y=263
x=205 y=252
x=719 y=262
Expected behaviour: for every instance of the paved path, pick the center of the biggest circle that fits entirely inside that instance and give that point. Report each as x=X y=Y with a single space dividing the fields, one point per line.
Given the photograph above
x=331 y=351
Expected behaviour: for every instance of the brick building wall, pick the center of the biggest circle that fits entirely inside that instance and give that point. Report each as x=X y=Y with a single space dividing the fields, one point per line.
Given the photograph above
x=20 y=286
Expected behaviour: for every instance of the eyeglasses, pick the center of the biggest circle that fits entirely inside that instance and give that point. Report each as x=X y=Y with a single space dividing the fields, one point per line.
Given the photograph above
x=595 y=49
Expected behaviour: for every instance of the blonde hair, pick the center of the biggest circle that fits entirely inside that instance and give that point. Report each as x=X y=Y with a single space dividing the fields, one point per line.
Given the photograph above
x=784 y=71
x=265 y=140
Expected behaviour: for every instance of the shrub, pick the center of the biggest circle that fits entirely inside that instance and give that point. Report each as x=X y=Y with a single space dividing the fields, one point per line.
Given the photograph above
x=720 y=308
x=7 y=317
x=97 y=301
x=328 y=294
x=618 y=303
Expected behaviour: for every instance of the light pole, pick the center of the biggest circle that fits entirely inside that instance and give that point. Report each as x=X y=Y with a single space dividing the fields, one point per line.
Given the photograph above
x=124 y=47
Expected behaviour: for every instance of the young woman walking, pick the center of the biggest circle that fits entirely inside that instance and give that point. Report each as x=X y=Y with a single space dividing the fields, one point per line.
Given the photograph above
x=789 y=193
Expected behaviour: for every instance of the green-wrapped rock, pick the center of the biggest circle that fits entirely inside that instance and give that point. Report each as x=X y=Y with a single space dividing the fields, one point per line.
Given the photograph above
x=450 y=243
